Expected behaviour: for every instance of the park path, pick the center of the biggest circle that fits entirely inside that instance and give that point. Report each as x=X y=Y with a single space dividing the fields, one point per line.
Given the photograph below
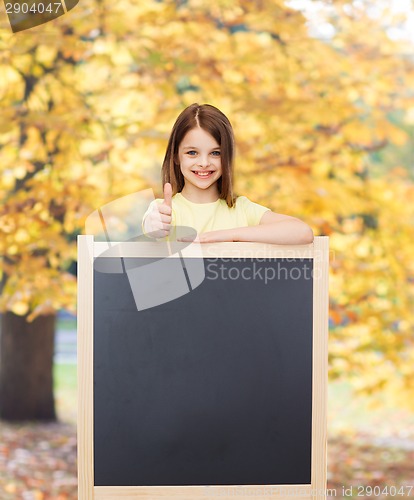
x=65 y=346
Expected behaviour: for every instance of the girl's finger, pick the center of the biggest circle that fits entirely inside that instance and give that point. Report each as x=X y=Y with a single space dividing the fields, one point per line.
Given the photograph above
x=168 y=194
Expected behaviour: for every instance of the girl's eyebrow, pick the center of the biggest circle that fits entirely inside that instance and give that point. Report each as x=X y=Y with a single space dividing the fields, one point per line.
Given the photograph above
x=194 y=147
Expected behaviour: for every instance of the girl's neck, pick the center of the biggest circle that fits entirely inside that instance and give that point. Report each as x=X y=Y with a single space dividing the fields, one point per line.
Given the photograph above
x=201 y=195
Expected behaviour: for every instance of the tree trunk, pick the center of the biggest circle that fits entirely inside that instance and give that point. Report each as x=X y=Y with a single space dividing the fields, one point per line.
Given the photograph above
x=26 y=367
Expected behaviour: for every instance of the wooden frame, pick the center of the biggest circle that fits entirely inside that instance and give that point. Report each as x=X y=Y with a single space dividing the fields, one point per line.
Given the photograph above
x=87 y=251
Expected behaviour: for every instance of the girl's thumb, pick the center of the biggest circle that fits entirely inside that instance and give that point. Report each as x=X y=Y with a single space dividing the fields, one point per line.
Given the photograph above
x=168 y=194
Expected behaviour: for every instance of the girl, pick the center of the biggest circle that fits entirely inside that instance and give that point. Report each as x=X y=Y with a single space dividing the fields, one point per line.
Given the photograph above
x=197 y=174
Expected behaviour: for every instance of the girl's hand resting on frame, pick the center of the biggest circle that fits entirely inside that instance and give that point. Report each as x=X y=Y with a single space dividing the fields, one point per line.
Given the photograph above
x=157 y=223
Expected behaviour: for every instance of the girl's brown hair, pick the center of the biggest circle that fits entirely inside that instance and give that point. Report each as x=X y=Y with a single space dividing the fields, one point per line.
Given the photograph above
x=216 y=123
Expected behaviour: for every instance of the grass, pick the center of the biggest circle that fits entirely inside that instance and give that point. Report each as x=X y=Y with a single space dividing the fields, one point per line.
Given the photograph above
x=65 y=388
x=347 y=412
x=66 y=324
x=65 y=380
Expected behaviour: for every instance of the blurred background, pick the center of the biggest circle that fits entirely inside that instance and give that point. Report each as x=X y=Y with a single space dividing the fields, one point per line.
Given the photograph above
x=321 y=97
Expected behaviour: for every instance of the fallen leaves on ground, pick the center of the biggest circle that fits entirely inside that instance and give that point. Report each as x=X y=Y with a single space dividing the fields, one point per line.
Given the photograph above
x=363 y=465
x=38 y=462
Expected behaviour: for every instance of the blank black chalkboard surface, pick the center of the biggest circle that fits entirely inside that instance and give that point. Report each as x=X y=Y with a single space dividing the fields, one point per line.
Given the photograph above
x=202 y=370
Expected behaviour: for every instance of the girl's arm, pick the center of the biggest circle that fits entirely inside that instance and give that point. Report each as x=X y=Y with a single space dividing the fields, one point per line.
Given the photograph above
x=274 y=228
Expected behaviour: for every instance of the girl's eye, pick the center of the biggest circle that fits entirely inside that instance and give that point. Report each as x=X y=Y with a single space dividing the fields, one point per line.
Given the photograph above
x=214 y=153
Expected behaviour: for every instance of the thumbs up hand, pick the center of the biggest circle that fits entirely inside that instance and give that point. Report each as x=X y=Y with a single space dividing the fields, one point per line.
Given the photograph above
x=158 y=221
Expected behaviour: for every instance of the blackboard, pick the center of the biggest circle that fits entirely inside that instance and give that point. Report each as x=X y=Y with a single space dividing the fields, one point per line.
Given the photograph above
x=215 y=387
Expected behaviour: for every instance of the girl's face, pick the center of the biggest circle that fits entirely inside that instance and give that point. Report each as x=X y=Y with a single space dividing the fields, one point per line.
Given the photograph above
x=200 y=161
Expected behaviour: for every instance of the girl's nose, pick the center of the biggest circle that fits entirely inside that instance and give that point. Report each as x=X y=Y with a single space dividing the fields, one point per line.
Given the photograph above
x=204 y=162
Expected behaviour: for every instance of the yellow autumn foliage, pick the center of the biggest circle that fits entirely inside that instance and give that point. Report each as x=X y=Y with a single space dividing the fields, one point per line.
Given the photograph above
x=88 y=102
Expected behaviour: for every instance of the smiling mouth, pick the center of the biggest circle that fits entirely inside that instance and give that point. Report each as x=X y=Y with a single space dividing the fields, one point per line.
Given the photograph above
x=203 y=174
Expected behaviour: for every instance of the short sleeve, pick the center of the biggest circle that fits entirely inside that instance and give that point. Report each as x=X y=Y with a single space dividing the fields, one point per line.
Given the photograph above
x=253 y=211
